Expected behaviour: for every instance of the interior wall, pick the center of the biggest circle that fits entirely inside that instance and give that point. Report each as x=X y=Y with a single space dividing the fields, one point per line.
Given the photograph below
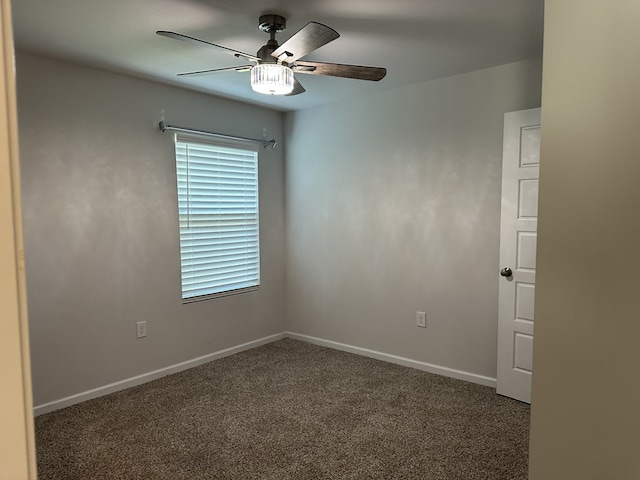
x=393 y=207
x=101 y=227
x=586 y=389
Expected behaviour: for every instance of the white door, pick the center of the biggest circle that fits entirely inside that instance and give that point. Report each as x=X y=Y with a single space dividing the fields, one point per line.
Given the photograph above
x=519 y=224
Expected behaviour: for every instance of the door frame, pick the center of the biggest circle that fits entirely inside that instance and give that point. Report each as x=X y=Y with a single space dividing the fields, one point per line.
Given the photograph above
x=17 y=445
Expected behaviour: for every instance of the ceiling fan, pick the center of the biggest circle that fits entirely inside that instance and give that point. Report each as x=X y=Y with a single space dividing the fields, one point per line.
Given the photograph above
x=273 y=66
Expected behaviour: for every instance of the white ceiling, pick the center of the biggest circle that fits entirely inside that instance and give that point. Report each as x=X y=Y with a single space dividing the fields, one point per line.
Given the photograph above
x=416 y=40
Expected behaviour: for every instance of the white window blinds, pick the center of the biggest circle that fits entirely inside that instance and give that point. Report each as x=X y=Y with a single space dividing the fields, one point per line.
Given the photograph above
x=218 y=210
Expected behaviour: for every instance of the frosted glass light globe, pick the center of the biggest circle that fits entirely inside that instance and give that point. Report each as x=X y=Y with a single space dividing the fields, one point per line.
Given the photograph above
x=272 y=79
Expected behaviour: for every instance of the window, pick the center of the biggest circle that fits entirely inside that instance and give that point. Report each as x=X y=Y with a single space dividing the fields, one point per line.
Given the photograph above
x=218 y=213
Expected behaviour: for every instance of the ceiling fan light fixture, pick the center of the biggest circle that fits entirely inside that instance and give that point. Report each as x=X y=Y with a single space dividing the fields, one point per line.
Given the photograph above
x=272 y=79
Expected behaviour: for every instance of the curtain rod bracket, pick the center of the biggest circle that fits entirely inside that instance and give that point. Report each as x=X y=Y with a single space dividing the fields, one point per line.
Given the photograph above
x=163 y=126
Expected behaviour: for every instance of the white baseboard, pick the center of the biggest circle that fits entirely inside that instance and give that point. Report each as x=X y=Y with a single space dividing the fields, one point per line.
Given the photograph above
x=163 y=372
x=407 y=362
x=147 y=377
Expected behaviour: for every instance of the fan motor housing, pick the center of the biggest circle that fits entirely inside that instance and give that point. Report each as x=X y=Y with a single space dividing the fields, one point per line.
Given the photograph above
x=265 y=51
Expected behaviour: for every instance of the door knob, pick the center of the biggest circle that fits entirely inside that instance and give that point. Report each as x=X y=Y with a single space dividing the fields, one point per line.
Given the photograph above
x=506 y=272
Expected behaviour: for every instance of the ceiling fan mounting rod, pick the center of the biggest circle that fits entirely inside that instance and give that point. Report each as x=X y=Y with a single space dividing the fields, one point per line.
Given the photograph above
x=270 y=24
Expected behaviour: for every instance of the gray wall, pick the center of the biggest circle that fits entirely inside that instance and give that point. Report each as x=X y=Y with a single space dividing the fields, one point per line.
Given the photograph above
x=585 y=419
x=101 y=230
x=393 y=206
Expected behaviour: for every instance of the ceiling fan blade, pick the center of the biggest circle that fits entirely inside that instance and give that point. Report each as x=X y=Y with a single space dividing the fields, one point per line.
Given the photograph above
x=338 y=70
x=313 y=35
x=203 y=43
x=240 y=68
x=297 y=88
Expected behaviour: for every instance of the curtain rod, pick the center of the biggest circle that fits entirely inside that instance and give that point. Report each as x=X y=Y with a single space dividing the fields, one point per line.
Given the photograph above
x=265 y=143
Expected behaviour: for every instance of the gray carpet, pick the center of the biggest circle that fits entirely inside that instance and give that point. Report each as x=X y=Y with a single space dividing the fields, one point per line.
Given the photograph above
x=289 y=410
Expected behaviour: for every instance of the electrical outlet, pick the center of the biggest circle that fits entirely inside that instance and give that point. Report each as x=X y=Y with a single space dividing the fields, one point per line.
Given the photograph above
x=421 y=319
x=141 y=329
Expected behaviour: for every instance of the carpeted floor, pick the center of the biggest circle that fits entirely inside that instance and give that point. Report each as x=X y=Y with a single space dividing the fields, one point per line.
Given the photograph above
x=289 y=410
